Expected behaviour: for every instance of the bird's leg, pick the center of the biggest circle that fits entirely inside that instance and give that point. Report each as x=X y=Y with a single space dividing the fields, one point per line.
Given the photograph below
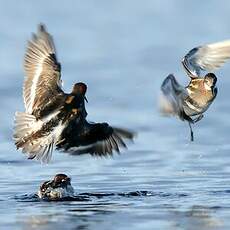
x=198 y=118
x=191 y=131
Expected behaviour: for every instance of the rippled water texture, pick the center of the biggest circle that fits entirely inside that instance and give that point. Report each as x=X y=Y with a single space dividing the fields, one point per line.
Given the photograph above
x=122 y=50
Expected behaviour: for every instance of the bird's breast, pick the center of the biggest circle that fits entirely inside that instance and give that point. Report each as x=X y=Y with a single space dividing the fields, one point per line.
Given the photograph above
x=69 y=99
x=197 y=103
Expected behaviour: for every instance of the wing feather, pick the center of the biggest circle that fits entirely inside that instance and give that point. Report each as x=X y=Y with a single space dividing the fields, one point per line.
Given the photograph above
x=97 y=139
x=206 y=58
x=172 y=96
x=42 y=70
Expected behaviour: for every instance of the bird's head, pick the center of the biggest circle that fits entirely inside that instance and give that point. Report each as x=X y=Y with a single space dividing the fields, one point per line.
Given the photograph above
x=210 y=80
x=61 y=180
x=80 y=88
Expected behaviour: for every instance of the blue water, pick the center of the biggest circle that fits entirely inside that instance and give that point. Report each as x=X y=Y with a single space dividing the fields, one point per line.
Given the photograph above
x=122 y=50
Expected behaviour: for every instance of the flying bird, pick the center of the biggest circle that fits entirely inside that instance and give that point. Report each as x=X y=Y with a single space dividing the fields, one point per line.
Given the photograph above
x=189 y=103
x=53 y=118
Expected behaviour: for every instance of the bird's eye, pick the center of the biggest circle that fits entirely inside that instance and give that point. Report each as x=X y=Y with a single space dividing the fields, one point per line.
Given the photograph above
x=207 y=81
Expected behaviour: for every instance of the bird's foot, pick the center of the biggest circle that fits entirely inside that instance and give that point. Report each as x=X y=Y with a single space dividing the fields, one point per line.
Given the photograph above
x=198 y=118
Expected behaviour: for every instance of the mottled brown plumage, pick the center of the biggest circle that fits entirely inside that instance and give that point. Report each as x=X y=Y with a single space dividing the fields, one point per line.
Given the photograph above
x=195 y=99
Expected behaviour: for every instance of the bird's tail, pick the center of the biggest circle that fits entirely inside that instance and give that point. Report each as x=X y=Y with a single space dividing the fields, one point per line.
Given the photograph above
x=25 y=129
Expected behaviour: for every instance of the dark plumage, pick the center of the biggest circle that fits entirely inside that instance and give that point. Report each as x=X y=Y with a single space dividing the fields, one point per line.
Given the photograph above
x=95 y=138
x=53 y=117
x=58 y=188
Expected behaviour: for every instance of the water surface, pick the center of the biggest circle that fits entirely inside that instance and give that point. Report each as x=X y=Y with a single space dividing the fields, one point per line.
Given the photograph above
x=123 y=50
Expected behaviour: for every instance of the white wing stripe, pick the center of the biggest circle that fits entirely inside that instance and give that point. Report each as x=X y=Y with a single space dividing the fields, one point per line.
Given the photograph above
x=32 y=93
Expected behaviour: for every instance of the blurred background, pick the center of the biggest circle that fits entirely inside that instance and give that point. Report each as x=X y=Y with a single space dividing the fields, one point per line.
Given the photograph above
x=122 y=50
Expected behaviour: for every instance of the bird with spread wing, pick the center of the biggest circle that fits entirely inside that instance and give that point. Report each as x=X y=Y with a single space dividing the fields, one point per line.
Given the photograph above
x=53 y=118
x=190 y=102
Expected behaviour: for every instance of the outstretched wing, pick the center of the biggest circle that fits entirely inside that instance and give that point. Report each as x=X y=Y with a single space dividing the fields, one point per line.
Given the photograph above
x=97 y=139
x=206 y=58
x=42 y=70
x=172 y=96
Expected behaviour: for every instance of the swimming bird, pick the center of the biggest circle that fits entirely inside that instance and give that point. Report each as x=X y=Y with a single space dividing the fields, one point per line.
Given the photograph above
x=53 y=118
x=189 y=103
x=58 y=188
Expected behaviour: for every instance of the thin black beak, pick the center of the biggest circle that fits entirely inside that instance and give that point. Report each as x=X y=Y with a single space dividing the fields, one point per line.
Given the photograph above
x=67 y=181
x=85 y=99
